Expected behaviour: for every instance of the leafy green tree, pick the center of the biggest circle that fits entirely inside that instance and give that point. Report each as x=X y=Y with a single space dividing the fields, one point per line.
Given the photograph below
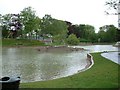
x=118 y=35
x=5 y=25
x=46 y=21
x=59 y=30
x=54 y=27
x=108 y=33
x=11 y=25
x=111 y=33
x=72 y=40
x=82 y=31
x=101 y=35
x=89 y=32
x=75 y=29
x=4 y=31
x=30 y=21
x=37 y=26
x=59 y=39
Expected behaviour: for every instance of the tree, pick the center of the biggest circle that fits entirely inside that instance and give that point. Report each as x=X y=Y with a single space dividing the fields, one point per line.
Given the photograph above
x=46 y=23
x=59 y=30
x=113 y=5
x=86 y=32
x=111 y=33
x=37 y=26
x=82 y=31
x=108 y=33
x=11 y=25
x=5 y=25
x=118 y=35
x=90 y=33
x=54 y=27
x=30 y=21
x=75 y=29
x=101 y=35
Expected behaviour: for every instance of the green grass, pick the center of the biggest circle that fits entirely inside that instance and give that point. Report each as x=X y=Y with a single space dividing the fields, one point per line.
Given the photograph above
x=21 y=42
x=103 y=74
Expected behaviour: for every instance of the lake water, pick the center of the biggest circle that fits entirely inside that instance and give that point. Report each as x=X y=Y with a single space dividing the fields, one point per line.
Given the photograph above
x=98 y=48
x=33 y=65
x=112 y=56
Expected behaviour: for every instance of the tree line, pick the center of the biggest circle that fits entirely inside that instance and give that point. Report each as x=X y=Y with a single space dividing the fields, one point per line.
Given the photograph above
x=27 y=25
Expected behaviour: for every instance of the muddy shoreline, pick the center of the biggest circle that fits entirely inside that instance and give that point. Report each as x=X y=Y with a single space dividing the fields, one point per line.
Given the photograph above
x=59 y=48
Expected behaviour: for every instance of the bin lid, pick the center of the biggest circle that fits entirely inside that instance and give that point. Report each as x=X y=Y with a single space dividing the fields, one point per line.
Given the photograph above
x=9 y=79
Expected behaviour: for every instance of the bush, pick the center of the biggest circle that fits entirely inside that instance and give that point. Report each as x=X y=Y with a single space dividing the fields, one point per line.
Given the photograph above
x=84 y=40
x=72 y=40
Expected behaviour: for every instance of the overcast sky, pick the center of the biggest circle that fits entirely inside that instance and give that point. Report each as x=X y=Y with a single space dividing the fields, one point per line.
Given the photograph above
x=76 y=11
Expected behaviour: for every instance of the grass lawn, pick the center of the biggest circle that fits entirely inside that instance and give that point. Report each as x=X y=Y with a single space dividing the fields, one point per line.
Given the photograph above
x=103 y=74
x=21 y=42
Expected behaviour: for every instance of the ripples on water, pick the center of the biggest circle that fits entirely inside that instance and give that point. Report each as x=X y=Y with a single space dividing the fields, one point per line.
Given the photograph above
x=32 y=65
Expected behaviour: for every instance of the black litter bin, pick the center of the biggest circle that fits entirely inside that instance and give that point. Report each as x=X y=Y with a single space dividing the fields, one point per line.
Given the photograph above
x=10 y=83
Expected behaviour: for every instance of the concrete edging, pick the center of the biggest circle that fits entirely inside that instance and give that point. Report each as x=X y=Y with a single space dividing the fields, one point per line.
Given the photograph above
x=90 y=63
x=90 y=60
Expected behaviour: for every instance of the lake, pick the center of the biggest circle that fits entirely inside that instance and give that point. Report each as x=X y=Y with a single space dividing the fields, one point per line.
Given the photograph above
x=113 y=56
x=32 y=65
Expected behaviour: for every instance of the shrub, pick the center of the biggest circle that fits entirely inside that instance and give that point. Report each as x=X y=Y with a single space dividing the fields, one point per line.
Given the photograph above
x=84 y=40
x=72 y=40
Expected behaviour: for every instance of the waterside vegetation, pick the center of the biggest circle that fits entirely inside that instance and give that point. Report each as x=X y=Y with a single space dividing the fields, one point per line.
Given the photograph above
x=27 y=25
x=21 y=42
